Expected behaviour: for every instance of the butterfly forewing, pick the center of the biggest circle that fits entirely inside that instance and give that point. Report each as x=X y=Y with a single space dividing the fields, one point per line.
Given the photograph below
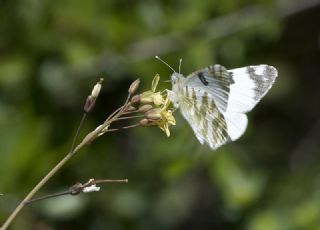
x=215 y=80
x=251 y=83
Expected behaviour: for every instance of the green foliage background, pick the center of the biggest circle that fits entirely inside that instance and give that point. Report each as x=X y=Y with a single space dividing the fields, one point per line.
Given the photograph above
x=51 y=54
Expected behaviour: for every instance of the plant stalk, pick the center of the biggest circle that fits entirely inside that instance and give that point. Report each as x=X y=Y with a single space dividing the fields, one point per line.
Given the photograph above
x=44 y=180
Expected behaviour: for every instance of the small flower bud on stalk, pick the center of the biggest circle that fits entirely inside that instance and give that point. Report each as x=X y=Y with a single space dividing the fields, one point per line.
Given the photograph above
x=153 y=114
x=134 y=86
x=130 y=108
x=135 y=99
x=144 y=122
x=144 y=108
x=91 y=99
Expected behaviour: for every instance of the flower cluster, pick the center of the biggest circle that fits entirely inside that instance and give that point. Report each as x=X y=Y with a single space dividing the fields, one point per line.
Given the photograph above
x=156 y=108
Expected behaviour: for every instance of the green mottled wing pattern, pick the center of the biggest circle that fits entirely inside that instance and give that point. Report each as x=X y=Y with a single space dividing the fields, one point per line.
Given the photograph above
x=202 y=114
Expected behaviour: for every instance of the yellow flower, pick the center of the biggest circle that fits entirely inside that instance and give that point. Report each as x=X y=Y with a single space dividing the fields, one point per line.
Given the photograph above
x=166 y=120
x=162 y=117
x=160 y=114
x=151 y=96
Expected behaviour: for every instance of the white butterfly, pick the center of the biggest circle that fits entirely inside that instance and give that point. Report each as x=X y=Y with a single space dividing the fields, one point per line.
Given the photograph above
x=215 y=100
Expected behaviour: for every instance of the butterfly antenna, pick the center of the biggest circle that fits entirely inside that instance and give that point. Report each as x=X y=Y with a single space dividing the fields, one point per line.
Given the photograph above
x=157 y=57
x=180 y=62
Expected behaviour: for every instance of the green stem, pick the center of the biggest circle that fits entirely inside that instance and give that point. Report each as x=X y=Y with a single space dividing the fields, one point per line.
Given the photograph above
x=44 y=180
x=90 y=137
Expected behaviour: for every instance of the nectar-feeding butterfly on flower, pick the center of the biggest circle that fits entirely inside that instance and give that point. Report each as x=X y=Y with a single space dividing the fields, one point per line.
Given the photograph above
x=215 y=100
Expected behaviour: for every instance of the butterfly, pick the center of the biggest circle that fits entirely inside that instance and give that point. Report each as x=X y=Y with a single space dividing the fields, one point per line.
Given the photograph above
x=214 y=100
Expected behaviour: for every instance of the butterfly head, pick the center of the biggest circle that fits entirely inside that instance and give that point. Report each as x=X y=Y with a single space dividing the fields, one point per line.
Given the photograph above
x=176 y=79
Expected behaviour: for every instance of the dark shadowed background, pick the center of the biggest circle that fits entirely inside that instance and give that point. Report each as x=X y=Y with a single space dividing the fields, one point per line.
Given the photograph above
x=52 y=53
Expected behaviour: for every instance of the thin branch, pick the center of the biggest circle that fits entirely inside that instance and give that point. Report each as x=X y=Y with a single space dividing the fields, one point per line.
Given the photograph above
x=122 y=128
x=62 y=162
x=118 y=112
x=77 y=188
x=127 y=118
x=84 y=115
x=40 y=184
x=114 y=113
x=111 y=181
x=49 y=196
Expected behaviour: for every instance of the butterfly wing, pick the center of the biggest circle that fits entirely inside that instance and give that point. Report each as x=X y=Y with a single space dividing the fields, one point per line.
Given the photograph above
x=251 y=83
x=208 y=123
x=214 y=101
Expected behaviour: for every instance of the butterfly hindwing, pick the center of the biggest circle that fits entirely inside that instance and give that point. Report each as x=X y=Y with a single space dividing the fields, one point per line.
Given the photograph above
x=201 y=112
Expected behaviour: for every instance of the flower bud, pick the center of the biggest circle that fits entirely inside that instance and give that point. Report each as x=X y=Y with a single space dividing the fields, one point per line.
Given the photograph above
x=135 y=99
x=158 y=99
x=144 y=108
x=146 y=97
x=153 y=114
x=96 y=89
x=130 y=108
x=91 y=99
x=144 y=122
x=134 y=86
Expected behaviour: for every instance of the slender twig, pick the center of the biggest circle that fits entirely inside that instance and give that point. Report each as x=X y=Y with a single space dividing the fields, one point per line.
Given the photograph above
x=44 y=180
x=72 y=190
x=56 y=168
x=130 y=112
x=126 y=127
x=118 y=112
x=50 y=174
x=111 y=181
x=84 y=115
x=88 y=139
x=49 y=196
x=114 y=113
x=132 y=117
